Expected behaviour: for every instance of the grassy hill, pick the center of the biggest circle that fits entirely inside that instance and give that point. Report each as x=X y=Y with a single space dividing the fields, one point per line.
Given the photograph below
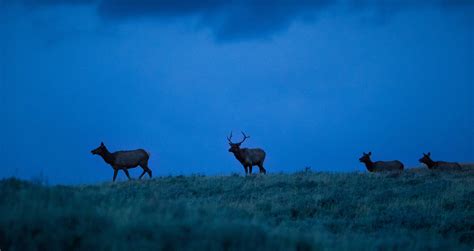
x=416 y=210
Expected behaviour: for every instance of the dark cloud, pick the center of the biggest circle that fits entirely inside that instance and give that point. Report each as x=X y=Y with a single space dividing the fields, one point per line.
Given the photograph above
x=117 y=9
x=227 y=19
x=234 y=19
x=40 y=3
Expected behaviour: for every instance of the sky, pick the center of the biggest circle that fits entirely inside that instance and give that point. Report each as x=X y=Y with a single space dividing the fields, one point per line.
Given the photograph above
x=314 y=83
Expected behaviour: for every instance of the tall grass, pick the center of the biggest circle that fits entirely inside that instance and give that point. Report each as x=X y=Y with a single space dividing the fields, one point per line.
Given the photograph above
x=415 y=210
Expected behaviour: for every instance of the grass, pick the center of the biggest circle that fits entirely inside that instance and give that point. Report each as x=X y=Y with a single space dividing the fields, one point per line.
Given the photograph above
x=415 y=210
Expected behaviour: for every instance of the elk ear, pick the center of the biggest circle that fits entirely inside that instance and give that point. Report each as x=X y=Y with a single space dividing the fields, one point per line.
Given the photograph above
x=370 y=153
x=101 y=143
x=429 y=154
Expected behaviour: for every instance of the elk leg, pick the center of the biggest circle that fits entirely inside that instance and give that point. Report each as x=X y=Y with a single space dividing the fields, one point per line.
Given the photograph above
x=143 y=166
x=246 y=170
x=250 y=169
x=148 y=170
x=115 y=174
x=126 y=173
x=144 y=171
x=262 y=170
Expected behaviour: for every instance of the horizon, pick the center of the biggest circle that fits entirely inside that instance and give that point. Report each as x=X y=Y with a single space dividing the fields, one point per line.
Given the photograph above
x=313 y=83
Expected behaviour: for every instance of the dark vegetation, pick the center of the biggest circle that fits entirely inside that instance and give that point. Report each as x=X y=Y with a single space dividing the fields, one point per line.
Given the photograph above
x=414 y=210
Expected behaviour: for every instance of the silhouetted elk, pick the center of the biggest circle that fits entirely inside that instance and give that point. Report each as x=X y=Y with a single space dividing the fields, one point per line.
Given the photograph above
x=380 y=166
x=123 y=160
x=426 y=159
x=248 y=157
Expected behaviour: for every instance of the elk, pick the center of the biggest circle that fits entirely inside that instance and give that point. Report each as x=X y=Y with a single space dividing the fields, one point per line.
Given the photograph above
x=248 y=157
x=426 y=159
x=123 y=160
x=380 y=166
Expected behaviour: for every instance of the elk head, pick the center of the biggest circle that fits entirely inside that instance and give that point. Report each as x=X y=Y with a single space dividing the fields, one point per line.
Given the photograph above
x=99 y=150
x=235 y=147
x=365 y=157
x=426 y=158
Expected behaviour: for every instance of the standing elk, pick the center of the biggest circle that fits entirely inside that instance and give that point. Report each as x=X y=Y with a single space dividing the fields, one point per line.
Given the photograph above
x=123 y=160
x=380 y=166
x=247 y=156
x=426 y=159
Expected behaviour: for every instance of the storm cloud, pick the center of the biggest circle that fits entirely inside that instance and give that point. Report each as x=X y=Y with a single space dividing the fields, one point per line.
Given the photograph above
x=240 y=19
x=227 y=19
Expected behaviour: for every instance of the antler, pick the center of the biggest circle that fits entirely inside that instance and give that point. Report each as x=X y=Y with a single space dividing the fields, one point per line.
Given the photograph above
x=228 y=138
x=245 y=137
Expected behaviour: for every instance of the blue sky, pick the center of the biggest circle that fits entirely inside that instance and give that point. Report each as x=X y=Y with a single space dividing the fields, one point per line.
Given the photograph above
x=314 y=83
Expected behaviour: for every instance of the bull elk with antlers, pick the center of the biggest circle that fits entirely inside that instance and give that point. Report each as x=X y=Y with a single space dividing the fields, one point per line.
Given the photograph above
x=247 y=156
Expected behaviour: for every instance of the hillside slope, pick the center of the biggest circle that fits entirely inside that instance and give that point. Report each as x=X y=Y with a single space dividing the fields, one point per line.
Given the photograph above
x=416 y=210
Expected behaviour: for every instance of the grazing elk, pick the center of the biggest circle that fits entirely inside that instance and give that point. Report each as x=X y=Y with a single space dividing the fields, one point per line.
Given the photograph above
x=247 y=156
x=380 y=166
x=123 y=160
x=426 y=159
